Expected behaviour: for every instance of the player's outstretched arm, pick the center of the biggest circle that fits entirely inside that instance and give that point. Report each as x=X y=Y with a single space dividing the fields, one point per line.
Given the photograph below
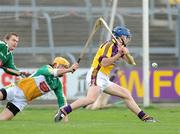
x=71 y=69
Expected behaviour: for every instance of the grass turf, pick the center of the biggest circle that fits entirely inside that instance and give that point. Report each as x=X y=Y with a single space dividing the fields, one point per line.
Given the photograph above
x=117 y=120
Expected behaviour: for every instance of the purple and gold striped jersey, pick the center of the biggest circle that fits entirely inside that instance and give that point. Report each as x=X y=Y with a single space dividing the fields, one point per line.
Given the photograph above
x=106 y=50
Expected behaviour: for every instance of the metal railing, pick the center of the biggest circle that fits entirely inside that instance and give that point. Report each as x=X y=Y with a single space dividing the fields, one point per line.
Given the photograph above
x=88 y=12
x=168 y=10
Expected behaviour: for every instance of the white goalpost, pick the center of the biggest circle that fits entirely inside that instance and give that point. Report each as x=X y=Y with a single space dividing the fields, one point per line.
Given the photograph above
x=146 y=100
x=145 y=43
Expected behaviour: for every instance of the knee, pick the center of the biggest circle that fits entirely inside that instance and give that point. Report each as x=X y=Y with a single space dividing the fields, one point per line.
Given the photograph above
x=127 y=95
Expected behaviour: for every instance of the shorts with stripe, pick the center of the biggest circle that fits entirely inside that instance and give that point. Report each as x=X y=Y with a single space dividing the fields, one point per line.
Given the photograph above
x=16 y=97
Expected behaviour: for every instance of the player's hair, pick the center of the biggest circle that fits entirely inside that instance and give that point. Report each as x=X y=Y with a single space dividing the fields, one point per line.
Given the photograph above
x=8 y=35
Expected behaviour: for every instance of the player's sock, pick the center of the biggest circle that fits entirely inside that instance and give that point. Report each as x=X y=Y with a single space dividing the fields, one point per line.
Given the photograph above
x=141 y=115
x=145 y=117
x=67 y=109
x=62 y=113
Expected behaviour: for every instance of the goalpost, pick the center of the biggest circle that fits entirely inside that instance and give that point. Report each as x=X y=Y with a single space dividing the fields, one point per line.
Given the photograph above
x=146 y=100
x=145 y=43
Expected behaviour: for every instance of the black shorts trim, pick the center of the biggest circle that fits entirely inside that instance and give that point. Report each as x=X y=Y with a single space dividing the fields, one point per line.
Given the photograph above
x=3 y=91
x=12 y=108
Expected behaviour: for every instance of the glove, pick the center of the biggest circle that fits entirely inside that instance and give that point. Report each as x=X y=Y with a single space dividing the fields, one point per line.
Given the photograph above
x=25 y=74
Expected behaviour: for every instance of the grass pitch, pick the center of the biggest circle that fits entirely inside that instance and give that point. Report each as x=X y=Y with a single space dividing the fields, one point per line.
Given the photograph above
x=117 y=120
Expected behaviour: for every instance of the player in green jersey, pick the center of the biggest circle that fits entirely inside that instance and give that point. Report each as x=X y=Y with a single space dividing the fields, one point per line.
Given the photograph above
x=7 y=46
x=42 y=81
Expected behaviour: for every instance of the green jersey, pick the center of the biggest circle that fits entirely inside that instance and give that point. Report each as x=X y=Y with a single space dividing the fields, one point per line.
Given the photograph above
x=41 y=82
x=6 y=57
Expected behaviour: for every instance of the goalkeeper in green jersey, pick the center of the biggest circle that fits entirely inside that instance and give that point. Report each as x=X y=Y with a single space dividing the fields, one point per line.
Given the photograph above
x=6 y=56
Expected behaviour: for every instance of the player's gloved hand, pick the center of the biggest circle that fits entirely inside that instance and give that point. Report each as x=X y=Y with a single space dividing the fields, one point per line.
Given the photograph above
x=25 y=74
x=1 y=63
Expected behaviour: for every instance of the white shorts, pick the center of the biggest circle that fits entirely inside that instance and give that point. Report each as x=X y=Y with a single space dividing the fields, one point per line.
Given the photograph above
x=16 y=96
x=102 y=80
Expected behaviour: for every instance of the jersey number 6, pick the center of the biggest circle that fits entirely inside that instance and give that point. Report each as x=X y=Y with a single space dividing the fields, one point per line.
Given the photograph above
x=43 y=86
